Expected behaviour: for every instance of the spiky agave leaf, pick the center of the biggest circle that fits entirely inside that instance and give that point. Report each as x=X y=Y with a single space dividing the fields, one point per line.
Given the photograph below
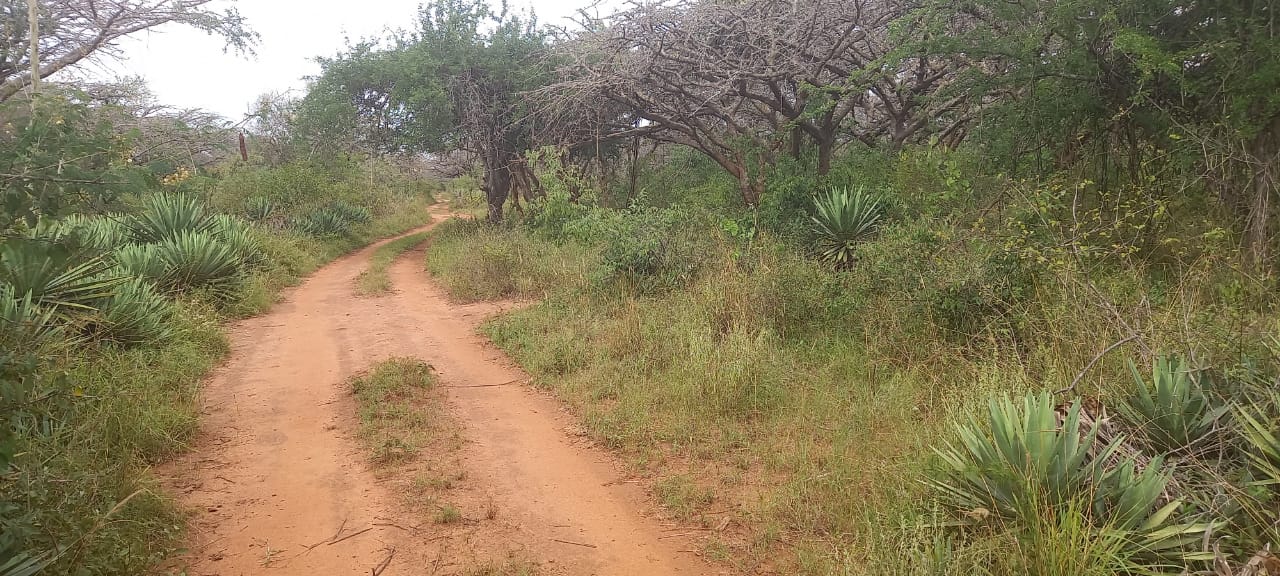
x=136 y=312
x=842 y=218
x=24 y=324
x=53 y=275
x=1173 y=411
x=167 y=216
x=323 y=223
x=1260 y=426
x=142 y=261
x=197 y=260
x=240 y=236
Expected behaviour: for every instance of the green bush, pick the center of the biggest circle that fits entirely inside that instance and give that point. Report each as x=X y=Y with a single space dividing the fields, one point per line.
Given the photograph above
x=842 y=219
x=323 y=223
x=142 y=261
x=168 y=216
x=134 y=313
x=1173 y=411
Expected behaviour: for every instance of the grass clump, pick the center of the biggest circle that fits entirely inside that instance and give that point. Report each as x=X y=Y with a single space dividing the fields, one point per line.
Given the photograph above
x=374 y=280
x=389 y=397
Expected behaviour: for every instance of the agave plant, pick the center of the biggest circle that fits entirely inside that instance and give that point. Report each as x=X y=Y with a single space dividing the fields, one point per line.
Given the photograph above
x=259 y=208
x=842 y=218
x=134 y=313
x=238 y=235
x=1030 y=455
x=349 y=212
x=198 y=259
x=323 y=222
x=142 y=261
x=1173 y=410
x=53 y=275
x=167 y=216
x=1025 y=449
x=98 y=233
x=24 y=324
x=1260 y=426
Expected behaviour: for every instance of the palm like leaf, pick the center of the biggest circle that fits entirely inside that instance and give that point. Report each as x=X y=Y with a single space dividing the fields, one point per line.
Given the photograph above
x=1173 y=410
x=842 y=218
x=167 y=216
x=54 y=277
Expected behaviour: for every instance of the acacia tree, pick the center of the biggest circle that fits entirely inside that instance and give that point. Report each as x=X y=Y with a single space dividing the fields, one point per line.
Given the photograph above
x=453 y=83
x=1155 y=80
x=737 y=81
x=72 y=31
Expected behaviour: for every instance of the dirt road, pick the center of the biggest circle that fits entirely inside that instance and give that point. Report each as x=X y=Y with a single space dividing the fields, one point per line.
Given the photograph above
x=280 y=484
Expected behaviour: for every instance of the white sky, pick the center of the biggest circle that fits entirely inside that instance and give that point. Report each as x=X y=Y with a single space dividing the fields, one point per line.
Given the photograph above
x=187 y=68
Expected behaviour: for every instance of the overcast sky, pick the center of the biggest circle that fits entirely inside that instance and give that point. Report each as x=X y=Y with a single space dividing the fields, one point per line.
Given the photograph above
x=187 y=68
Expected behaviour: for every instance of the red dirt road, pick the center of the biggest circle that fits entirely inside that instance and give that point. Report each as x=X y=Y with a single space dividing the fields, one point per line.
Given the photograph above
x=280 y=485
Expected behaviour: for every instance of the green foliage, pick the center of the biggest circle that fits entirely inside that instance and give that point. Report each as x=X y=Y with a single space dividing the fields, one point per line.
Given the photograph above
x=57 y=158
x=324 y=222
x=843 y=218
x=1261 y=432
x=168 y=216
x=1173 y=411
x=198 y=260
x=1029 y=457
x=134 y=313
x=53 y=275
x=142 y=261
x=258 y=208
x=101 y=234
x=24 y=324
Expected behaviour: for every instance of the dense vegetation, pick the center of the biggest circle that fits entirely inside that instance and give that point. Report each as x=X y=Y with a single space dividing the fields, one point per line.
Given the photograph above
x=129 y=232
x=904 y=287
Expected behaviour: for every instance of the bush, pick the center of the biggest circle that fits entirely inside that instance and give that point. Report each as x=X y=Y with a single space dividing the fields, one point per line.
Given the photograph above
x=842 y=219
x=168 y=216
x=134 y=313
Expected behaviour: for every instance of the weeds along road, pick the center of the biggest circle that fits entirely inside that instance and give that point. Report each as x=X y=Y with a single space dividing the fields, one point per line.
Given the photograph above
x=279 y=483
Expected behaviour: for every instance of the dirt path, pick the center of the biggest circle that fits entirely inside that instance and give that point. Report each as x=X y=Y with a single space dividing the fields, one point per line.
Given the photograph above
x=277 y=473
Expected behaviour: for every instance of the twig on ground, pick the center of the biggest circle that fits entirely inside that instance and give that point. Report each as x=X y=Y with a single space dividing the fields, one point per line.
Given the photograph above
x=574 y=543
x=383 y=565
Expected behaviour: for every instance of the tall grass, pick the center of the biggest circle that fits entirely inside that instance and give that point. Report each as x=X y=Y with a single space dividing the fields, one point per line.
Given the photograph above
x=808 y=400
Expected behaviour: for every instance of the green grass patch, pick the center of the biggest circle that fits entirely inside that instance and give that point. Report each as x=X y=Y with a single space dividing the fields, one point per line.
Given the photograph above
x=374 y=279
x=476 y=262
x=395 y=419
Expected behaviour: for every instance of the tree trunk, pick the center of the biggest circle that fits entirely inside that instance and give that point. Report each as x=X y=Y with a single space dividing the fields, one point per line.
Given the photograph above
x=497 y=186
x=1265 y=150
x=826 y=148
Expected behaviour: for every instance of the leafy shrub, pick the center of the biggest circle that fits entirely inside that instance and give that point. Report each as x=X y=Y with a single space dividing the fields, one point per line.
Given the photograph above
x=167 y=216
x=1172 y=410
x=134 y=313
x=142 y=261
x=322 y=223
x=981 y=299
x=842 y=218
x=1029 y=454
x=53 y=275
x=197 y=260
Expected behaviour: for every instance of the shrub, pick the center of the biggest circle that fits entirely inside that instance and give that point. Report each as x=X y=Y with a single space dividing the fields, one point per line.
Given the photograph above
x=197 y=260
x=167 y=216
x=240 y=237
x=842 y=218
x=134 y=313
x=97 y=233
x=53 y=275
x=1030 y=455
x=1172 y=411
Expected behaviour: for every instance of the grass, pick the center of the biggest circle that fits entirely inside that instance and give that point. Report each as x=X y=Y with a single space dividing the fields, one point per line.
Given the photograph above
x=374 y=281
x=804 y=402
x=392 y=397
x=82 y=482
